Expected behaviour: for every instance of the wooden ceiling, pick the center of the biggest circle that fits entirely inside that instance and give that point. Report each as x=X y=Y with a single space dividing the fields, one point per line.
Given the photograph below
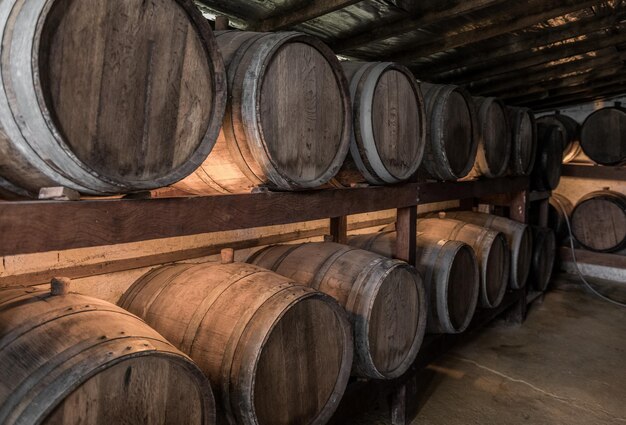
x=544 y=54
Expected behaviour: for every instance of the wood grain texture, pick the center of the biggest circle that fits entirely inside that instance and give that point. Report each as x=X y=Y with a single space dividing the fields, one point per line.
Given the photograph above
x=140 y=109
x=548 y=163
x=494 y=138
x=524 y=141
x=384 y=298
x=71 y=359
x=277 y=353
x=599 y=221
x=571 y=131
x=603 y=136
x=544 y=251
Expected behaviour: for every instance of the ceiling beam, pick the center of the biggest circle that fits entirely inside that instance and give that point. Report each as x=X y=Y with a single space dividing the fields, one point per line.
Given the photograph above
x=580 y=98
x=521 y=15
x=588 y=87
x=313 y=9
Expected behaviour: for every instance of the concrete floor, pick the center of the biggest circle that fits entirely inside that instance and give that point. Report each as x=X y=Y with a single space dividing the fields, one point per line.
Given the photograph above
x=565 y=365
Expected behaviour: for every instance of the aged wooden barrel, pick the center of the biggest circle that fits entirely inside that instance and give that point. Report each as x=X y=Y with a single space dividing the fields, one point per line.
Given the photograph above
x=451 y=132
x=389 y=124
x=546 y=173
x=70 y=359
x=140 y=108
x=450 y=273
x=524 y=141
x=288 y=120
x=558 y=209
x=603 y=136
x=571 y=131
x=494 y=138
x=384 y=298
x=518 y=236
x=599 y=221
x=490 y=247
x=544 y=251
x=276 y=352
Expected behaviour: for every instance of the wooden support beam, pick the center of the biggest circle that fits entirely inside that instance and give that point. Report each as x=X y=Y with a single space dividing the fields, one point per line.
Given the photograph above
x=398 y=406
x=312 y=9
x=578 y=98
x=406 y=229
x=595 y=172
x=339 y=229
x=586 y=87
x=517 y=16
x=519 y=207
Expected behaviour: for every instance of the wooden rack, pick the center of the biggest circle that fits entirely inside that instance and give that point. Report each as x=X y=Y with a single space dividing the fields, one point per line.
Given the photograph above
x=593 y=171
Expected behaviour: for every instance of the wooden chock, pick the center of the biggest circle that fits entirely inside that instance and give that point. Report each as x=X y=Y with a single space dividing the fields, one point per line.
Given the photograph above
x=228 y=255
x=60 y=285
x=442 y=214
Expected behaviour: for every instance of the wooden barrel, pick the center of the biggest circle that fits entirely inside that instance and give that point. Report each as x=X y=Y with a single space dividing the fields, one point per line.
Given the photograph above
x=524 y=141
x=571 y=131
x=389 y=124
x=288 y=120
x=70 y=359
x=546 y=173
x=276 y=352
x=451 y=133
x=544 y=251
x=106 y=97
x=450 y=273
x=494 y=138
x=599 y=221
x=603 y=136
x=490 y=247
x=384 y=298
x=558 y=209
x=518 y=236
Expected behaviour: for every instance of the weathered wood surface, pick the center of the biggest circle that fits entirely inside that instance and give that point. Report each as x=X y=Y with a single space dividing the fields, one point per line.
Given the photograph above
x=542 y=264
x=287 y=122
x=603 y=136
x=389 y=124
x=571 y=131
x=262 y=340
x=70 y=359
x=549 y=161
x=140 y=109
x=494 y=138
x=599 y=221
x=524 y=141
x=595 y=172
x=450 y=273
x=385 y=299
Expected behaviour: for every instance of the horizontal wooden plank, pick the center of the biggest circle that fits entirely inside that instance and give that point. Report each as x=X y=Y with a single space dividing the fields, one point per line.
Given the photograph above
x=440 y=192
x=599 y=172
x=311 y=10
x=594 y=258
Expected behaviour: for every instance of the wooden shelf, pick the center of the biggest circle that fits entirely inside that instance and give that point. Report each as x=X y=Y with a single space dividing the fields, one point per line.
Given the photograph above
x=592 y=171
x=594 y=258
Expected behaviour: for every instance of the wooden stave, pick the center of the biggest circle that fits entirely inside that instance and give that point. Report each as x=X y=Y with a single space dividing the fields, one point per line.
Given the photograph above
x=57 y=376
x=429 y=252
x=482 y=240
x=572 y=133
x=243 y=148
x=518 y=165
x=544 y=252
x=61 y=167
x=358 y=300
x=548 y=165
x=239 y=361
x=435 y=162
x=616 y=198
x=587 y=144
x=363 y=163
x=485 y=166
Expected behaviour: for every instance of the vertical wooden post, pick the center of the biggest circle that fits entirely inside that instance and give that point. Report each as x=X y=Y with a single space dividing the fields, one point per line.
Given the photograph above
x=519 y=207
x=406 y=228
x=339 y=229
x=544 y=206
x=221 y=23
x=398 y=406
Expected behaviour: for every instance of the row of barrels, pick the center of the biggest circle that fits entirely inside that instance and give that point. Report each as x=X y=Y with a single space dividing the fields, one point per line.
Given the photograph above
x=158 y=99
x=270 y=341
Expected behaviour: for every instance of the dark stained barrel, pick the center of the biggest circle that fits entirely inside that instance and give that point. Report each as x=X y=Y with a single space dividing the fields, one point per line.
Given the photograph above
x=599 y=221
x=288 y=121
x=384 y=298
x=70 y=359
x=546 y=173
x=544 y=251
x=572 y=134
x=451 y=133
x=450 y=272
x=494 y=138
x=558 y=209
x=524 y=141
x=603 y=136
x=389 y=124
x=106 y=97
x=276 y=352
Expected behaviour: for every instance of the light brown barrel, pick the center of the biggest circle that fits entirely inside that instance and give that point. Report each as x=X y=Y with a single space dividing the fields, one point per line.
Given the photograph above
x=490 y=247
x=276 y=352
x=518 y=236
x=384 y=298
x=524 y=141
x=544 y=251
x=558 y=209
x=571 y=131
x=599 y=221
x=450 y=273
x=494 y=138
x=69 y=359
x=106 y=97
x=451 y=133
x=603 y=137
x=389 y=124
x=546 y=173
x=288 y=119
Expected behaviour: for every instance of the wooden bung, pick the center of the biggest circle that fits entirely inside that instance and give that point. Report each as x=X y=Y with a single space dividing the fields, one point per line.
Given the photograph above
x=74 y=359
x=384 y=298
